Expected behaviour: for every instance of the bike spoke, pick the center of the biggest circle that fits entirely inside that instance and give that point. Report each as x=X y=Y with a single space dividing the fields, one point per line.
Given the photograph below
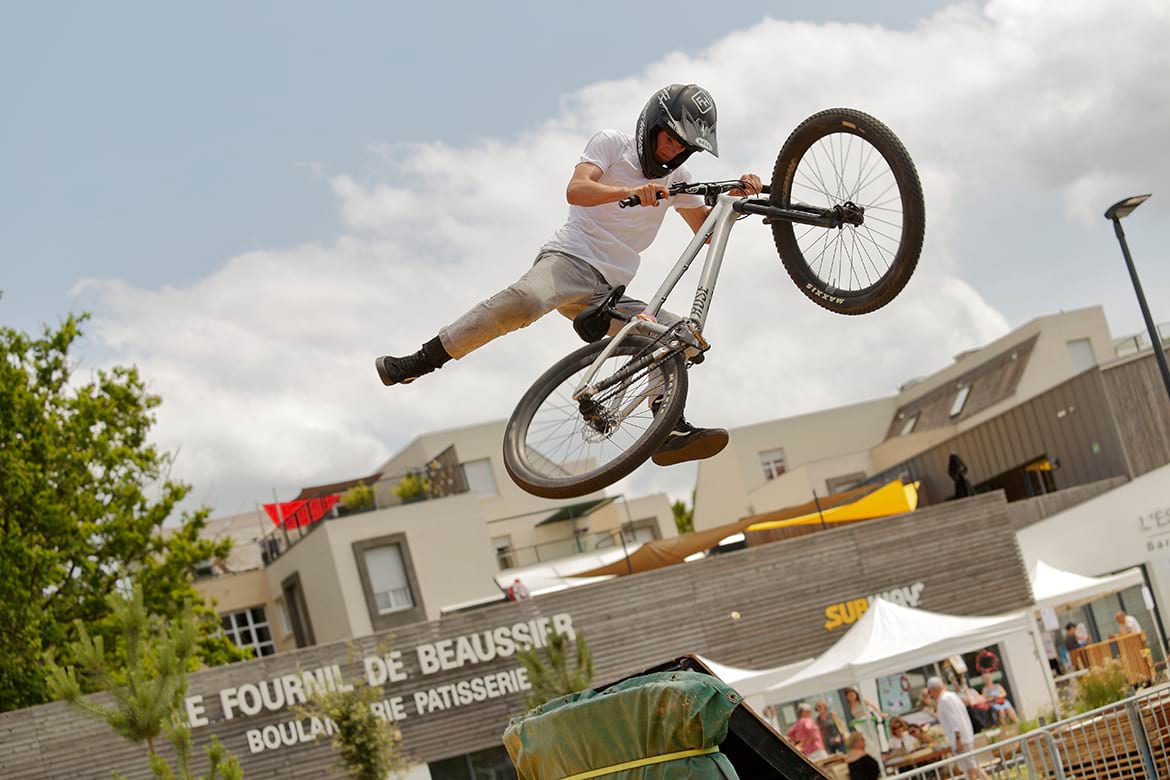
x=844 y=167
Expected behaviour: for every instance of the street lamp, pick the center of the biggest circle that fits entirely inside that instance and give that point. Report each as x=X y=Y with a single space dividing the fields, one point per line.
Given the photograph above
x=1117 y=212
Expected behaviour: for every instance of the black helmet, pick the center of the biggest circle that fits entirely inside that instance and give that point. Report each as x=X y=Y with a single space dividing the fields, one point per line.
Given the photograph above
x=687 y=112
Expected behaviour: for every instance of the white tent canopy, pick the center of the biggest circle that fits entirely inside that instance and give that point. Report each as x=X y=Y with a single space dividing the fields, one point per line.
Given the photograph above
x=752 y=681
x=1053 y=587
x=889 y=639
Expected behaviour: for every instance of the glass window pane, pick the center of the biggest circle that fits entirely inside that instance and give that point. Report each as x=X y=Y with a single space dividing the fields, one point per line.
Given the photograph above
x=1080 y=352
x=262 y=634
x=388 y=578
x=479 y=477
x=960 y=400
x=258 y=615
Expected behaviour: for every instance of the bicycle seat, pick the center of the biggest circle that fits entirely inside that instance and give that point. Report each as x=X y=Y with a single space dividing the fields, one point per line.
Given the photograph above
x=592 y=324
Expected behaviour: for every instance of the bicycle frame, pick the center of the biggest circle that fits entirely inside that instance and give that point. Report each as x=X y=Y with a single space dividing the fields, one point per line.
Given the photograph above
x=718 y=224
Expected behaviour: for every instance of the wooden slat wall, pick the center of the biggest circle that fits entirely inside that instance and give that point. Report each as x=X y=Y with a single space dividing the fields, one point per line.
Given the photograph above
x=1073 y=421
x=1141 y=409
x=965 y=553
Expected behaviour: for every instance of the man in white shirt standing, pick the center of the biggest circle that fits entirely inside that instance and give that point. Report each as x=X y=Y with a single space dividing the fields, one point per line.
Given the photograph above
x=1127 y=624
x=599 y=246
x=956 y=725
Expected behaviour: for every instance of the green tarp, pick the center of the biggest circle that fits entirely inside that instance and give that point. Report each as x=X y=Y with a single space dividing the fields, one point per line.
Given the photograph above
x=643 y=717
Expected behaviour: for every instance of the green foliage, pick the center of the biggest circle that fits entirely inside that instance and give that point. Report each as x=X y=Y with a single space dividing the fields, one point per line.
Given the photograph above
x=684 y=518
x=413 y=487
x=1031 y=724
x=1101 y=685
x=147 y=692
x=358 y=498
x=369 y=746
x=75 y=518
x=558 y=675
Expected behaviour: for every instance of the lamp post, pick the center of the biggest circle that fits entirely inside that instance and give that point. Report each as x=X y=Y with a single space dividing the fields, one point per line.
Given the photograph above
x=1117 y=212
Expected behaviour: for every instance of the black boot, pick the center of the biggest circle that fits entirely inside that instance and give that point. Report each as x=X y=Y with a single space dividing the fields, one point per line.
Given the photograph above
x=404 y=370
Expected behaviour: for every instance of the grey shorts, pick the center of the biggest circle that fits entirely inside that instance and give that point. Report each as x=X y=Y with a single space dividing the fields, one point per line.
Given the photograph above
x=555 y=281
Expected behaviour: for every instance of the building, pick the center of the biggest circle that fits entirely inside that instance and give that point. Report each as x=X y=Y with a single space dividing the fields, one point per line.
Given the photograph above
x=443 y=505
x=1046 y=407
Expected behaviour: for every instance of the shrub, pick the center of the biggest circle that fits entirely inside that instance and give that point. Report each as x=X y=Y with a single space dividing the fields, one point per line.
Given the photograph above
x=413 y=487
x=358 y=498
x=1101 y=685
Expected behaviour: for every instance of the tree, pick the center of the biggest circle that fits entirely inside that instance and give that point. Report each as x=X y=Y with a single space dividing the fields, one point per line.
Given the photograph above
x=147 y=692
x=369 y=745
x=75 y=517
x=558 y=676
x=684 y=518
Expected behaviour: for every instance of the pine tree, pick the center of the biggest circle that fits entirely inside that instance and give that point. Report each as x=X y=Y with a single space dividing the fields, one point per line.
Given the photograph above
x=560 y=675
x=148 y=690
x=369 y=746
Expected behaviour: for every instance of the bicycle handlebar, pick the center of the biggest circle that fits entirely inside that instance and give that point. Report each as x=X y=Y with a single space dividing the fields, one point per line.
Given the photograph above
x=697 y=188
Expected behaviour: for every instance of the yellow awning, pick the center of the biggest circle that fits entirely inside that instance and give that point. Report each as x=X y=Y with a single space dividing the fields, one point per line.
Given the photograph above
x=893 y=498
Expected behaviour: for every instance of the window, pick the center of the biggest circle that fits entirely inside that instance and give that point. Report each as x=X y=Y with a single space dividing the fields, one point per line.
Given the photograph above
x=1081 y=353
x=844 y=482
x=503 y=545
x=249 y=628
x=282 y=614
x=960 y=400
x=388 y=579
x=773 y=463
x=642 y=530
x=479 y=477
x=908 y=426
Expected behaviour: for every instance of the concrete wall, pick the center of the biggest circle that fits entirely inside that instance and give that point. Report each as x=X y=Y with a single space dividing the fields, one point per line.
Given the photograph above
x=1125 y=527
x=726 y=482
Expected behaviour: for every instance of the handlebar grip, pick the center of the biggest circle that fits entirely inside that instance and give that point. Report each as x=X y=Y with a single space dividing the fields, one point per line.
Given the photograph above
x=634 y=200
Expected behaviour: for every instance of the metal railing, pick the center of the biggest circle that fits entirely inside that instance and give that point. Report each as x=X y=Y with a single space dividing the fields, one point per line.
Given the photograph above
x=517 y=557
x=423 y=484
x=1127 y=739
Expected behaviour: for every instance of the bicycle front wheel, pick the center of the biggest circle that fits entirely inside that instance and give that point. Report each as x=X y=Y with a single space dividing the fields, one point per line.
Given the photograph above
x=845 y=158
x=556 y=448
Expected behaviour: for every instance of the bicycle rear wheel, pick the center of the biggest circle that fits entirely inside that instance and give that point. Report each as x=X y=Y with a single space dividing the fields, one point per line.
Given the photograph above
x=555 y=449
x=842 y=157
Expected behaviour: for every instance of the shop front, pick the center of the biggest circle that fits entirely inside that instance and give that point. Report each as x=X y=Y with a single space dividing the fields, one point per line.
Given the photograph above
x=1127 y=527
x=451 y=685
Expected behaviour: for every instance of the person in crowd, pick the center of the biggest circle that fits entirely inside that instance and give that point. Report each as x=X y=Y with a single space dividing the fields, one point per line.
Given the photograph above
x=864 y=716
x=1127 y=624
x=901 y=740
x=831 y=726
x=805 y=733
x=956 y=726
x=996 y=695
x=922 y=734
x=862 y=766
x=1071 y=642
x=518 y=591
x=978 y=707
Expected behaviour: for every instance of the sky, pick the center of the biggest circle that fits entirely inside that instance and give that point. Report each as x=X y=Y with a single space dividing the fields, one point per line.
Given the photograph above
x=255 y=200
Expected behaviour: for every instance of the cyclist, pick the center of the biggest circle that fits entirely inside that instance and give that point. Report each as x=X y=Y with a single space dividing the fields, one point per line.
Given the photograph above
x=598 y=247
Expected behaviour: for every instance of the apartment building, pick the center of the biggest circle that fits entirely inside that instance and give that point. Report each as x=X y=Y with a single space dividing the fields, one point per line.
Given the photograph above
x=437 y=527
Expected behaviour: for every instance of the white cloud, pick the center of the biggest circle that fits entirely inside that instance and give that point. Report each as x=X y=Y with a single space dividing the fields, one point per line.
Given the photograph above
x=265 y=366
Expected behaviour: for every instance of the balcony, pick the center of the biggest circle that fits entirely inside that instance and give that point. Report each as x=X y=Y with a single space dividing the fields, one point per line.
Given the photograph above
x=297 y=519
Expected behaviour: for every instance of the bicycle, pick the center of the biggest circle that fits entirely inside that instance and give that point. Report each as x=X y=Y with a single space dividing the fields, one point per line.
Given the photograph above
x=600 y=412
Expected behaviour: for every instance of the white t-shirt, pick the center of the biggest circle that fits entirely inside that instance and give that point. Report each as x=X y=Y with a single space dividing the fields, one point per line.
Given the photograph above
x=1131 y=625
x=608 y=237
x=952 y=716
